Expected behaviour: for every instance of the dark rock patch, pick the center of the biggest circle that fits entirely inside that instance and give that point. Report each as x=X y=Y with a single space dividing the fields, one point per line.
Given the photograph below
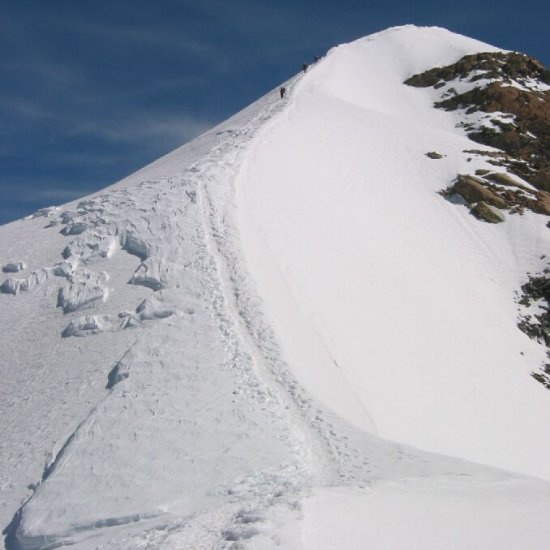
x=485 y=212
x=504 y=102
x=474 y=190
x=537 y=326
x=499 y=190
x=488 y=65
x=542 y=204
x=509 y=83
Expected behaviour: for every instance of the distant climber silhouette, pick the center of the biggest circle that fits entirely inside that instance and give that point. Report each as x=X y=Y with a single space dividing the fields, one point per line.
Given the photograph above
x=282 y=91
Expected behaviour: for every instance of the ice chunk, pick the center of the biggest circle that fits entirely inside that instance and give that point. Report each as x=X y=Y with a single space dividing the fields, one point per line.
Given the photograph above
x=155 y=308
x=91 y=246
x=10 y=286
x=74 y=228
x=65 y=268
x=14 y=267
x=43 y=213
x=14 y=286
x=157 y=273
x=135 y=245
x=90 y=324
x=84 y=289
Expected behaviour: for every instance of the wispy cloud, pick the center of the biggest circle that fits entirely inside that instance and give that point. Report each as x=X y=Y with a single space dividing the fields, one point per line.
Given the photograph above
x=166 y=128
x=175 y=129
x=30 y=194
x=156 y=37
x=283 y=27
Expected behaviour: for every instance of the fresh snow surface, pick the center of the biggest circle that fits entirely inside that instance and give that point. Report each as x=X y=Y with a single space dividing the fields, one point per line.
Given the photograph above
x=262 y=339
x=411 y=296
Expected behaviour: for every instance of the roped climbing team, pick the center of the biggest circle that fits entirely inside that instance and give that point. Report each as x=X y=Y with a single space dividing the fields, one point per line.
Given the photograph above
x=305 y=66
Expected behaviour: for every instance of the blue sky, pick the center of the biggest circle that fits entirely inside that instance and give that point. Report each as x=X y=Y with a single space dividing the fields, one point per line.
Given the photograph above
x=90 y=91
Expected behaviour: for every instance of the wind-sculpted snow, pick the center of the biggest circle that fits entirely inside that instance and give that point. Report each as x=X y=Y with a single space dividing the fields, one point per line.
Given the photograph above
x=184 y=394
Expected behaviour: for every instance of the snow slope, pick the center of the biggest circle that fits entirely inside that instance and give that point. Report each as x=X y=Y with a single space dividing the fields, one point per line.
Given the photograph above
x=411 y=296
x=237 y=346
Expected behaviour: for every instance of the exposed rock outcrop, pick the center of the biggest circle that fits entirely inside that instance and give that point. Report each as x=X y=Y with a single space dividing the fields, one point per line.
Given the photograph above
x=474 y=190
x=514 y=90
x=487 y=213
x=536 y=292
x=499 y=190
x=486 y=65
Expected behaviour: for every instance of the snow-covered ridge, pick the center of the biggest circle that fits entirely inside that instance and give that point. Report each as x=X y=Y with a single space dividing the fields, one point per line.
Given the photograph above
x=265 y=310
x=162 y=223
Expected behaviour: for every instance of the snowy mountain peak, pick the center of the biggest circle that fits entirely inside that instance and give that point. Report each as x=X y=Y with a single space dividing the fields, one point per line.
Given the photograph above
x=284 y=334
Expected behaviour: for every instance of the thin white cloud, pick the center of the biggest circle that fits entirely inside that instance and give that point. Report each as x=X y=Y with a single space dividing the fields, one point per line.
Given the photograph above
x=164 y=38
x=30 y=194
x=170 y=129
x=173 y=130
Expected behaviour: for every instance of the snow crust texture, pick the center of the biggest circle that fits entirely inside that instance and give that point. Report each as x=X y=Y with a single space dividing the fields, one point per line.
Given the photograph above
x=263 y=339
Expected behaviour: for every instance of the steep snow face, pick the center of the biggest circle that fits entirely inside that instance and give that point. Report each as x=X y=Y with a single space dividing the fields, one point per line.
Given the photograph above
x=411 y=297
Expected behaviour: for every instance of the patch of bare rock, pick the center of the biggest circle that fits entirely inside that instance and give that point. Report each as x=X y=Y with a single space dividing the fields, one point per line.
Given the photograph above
x=504 y=103
x=535 y=321
x=488 y=193
x=514 y=90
